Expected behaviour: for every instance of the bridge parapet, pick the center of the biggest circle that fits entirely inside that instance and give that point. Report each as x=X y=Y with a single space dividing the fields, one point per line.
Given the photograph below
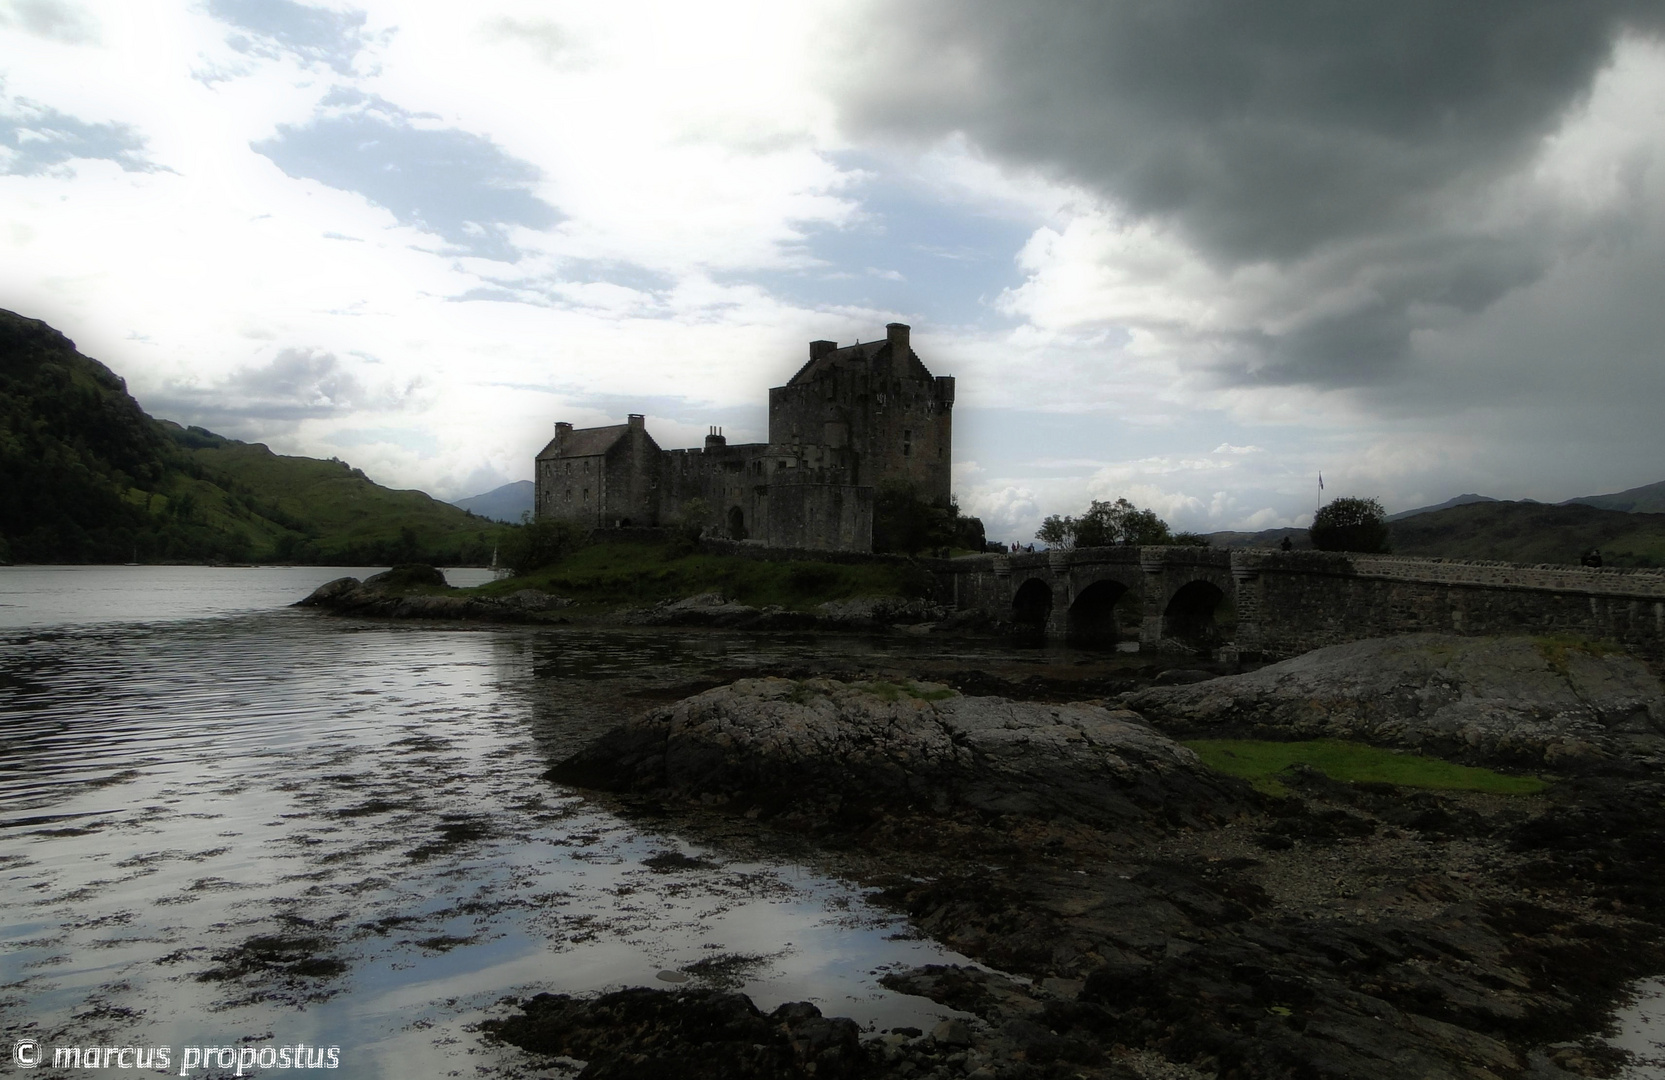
x=1287 y=602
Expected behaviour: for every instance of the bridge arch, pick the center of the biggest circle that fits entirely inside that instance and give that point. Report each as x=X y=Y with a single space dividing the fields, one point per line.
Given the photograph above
x=1032 y=604
x=1092 y=614
x=1191 y=615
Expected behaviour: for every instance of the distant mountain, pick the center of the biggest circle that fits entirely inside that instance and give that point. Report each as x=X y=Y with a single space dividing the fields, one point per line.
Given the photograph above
x=1458 y=500
x=86 y=476
x=1648 y=499
x=506 y=503
x=1529 y=532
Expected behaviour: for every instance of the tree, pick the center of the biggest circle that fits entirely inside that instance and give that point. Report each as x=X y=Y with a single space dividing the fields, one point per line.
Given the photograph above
x=1058 y=532
x=690 y=523
x=1350 y=524
x=1105 y=524
x=906 y=522
x=532 y=544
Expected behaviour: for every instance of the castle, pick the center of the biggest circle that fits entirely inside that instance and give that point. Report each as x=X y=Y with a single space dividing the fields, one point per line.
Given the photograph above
x=850 y=420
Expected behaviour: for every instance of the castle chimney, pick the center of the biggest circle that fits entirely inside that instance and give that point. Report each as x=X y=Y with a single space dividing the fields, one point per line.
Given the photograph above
x=637 y=420
x=818 y=349
x=715 y=438
x=562 y=430
x=897 y=334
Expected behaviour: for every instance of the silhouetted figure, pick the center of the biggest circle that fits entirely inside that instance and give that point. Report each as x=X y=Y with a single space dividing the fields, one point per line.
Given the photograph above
x=1288 y=544
x=1591 y=557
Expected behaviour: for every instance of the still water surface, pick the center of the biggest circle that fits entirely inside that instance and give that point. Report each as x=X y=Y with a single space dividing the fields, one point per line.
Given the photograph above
x=222 y=820
x=225 y=821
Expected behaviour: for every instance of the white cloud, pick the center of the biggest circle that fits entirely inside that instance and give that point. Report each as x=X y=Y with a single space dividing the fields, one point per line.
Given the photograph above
x=691 y=154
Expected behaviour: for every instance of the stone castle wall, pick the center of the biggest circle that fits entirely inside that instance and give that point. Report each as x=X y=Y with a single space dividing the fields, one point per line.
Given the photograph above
x=851 y=419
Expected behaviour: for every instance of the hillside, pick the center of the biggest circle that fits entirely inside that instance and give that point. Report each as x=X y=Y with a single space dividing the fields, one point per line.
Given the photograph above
x=86 y=476
x=1647 y=499
x=507 y=503
x=1532 y=533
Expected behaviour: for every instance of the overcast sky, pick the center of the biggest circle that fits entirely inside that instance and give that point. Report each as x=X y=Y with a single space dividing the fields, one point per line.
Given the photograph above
x=1190 y=252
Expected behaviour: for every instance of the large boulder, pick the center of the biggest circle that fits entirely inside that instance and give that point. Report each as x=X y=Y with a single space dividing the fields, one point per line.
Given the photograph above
x=774 y=744
x=408 y=575
x=1527 y=700
x=331 y=592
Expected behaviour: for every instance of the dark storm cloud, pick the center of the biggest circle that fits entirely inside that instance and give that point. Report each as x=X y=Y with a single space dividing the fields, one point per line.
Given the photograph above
x=450 y=182
x=1275 y=131
x=314 y=34
x=35 y=139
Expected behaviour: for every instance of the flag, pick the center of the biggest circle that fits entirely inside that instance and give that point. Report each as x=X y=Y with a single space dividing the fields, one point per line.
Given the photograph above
x=1320 y=481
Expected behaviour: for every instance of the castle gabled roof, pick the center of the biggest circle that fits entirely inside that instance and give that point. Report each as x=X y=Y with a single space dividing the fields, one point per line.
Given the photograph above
x=867 y=351
x=584 y=442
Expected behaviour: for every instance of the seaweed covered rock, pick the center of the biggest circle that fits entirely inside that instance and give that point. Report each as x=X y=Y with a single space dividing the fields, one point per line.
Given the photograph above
x=772 y=743
x=386 y=595
x=1526 y=700
x=642 y=1034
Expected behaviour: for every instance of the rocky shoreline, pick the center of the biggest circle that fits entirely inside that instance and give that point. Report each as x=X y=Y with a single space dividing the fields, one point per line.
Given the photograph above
x=1155 y=919
x=389 y=595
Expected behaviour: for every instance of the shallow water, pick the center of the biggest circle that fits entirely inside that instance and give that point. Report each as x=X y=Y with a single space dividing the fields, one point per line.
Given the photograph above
x=1640 y=1029
x=275 y=827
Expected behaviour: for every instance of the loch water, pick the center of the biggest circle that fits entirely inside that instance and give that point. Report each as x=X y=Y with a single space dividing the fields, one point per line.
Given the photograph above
x=226 y=822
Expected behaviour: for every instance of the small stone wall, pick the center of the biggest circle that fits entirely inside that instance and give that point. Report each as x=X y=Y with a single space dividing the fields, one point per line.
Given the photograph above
x=1291 y=602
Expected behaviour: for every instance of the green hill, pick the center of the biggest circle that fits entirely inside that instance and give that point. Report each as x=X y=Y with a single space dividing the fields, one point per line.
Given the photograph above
x=87 y=476
x=1532 y=533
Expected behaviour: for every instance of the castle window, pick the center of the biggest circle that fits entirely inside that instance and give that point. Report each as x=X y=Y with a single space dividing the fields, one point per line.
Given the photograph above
x=907 y=443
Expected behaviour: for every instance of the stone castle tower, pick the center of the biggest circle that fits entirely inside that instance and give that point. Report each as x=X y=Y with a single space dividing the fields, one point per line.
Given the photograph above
x=878 y=400
x=850 y=420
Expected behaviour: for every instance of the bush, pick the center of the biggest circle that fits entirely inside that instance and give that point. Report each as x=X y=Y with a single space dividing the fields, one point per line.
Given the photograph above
x=1351 y=524
x=533 y=544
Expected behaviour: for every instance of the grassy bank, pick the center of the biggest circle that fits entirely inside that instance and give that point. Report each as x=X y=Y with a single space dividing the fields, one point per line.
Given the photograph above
x=1260 y=762
x=638 y=574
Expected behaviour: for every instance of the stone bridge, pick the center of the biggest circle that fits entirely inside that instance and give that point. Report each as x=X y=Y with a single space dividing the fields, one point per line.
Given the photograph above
x=1264 y=603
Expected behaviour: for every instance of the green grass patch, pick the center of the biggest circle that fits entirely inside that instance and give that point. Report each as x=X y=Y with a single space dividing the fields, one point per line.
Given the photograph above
x=620 y=572
x=1556 y=649
x=1260 y=762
